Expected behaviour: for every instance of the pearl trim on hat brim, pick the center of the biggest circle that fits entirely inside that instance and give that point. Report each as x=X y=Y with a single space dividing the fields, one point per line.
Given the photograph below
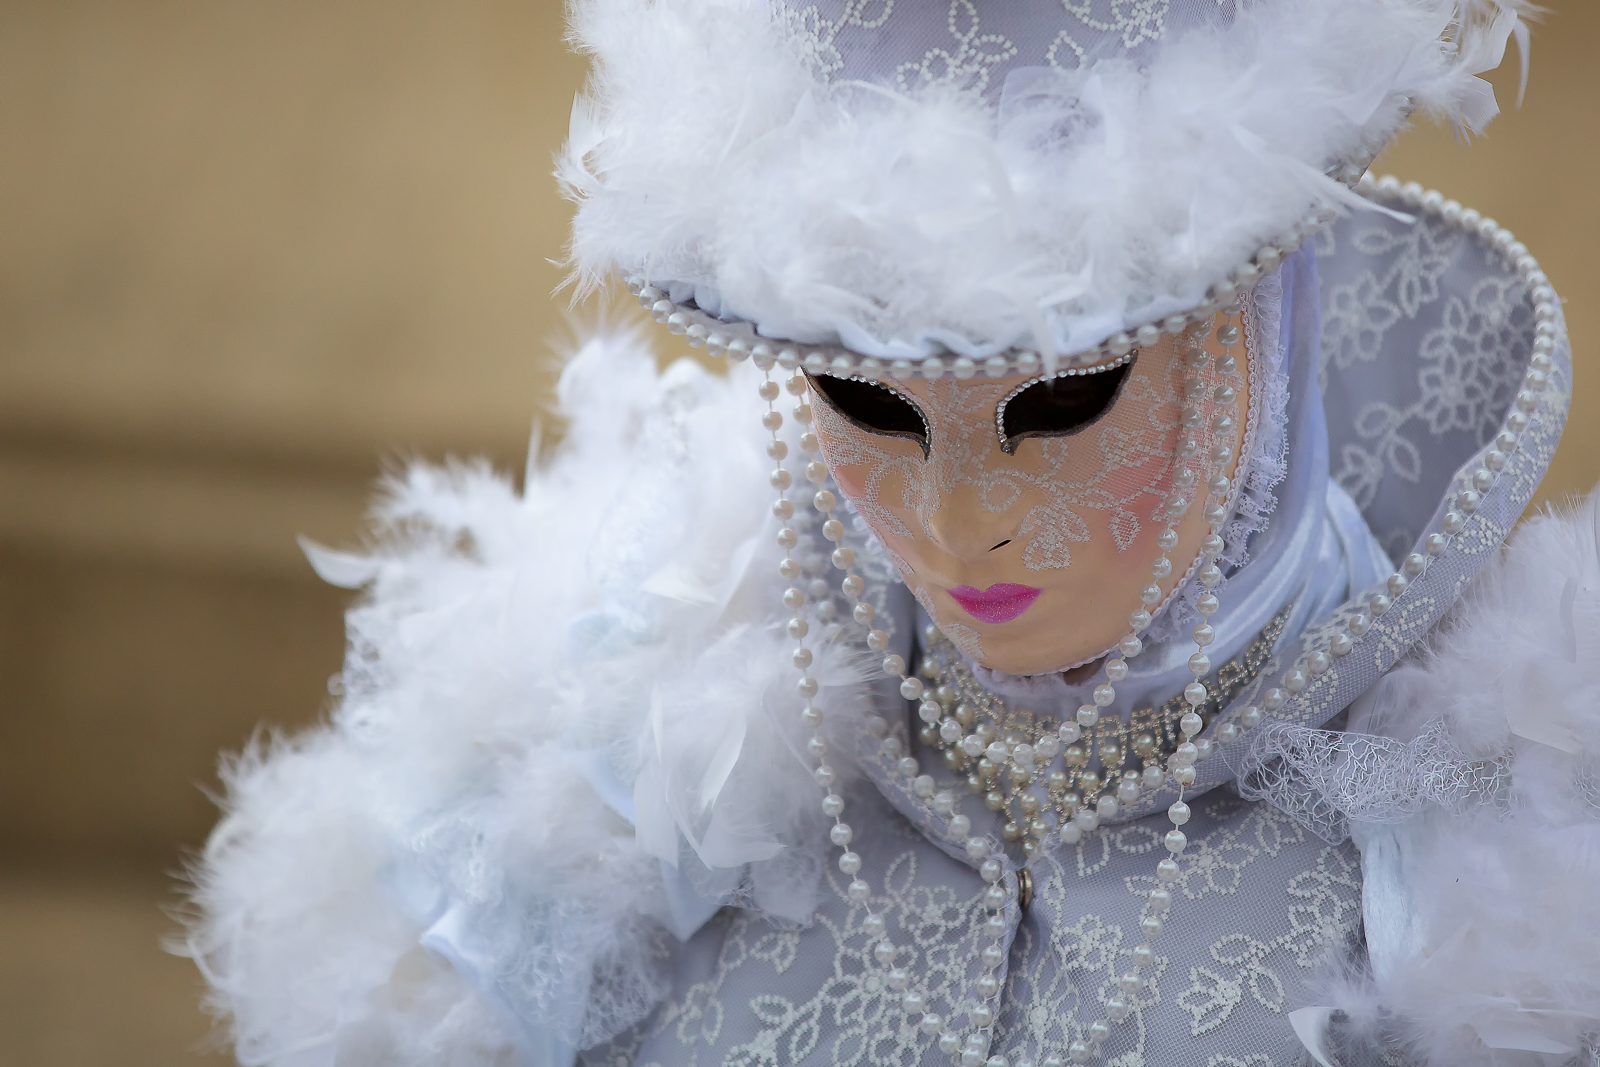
x=739 y=340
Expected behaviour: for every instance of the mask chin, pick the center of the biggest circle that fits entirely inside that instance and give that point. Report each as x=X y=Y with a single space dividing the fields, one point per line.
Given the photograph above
x=1027 y=660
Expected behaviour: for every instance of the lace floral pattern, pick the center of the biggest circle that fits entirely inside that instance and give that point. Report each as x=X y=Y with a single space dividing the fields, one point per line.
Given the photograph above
x=1259 y=904
x=1221 y=977
x=748 y=992
x=1393 y=286
x=1429 y=289
x=975 y=45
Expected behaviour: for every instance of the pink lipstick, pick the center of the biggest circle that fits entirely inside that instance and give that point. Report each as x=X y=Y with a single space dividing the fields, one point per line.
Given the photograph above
x=998 y=603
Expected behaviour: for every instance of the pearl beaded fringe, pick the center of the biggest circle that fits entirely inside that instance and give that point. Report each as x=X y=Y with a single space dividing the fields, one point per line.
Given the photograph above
x=969 y=1045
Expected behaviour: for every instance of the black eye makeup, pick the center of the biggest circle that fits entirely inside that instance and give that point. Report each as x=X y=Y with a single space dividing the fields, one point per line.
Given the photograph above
x=873 y=407
x=1060 y=405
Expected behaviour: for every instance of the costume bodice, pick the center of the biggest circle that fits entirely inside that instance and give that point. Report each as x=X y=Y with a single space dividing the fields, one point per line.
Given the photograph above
x=1263 y=904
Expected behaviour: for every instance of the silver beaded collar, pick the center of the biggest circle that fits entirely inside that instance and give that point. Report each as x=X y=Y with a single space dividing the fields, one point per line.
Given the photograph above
x=1006 y=752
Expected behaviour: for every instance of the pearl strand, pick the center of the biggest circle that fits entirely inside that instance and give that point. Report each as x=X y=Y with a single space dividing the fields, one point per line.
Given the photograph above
x=1159 y=901
x=794 y=598
x=1191 y=751
x=1209 y=575
x=1464 y=504
x=971 y=1051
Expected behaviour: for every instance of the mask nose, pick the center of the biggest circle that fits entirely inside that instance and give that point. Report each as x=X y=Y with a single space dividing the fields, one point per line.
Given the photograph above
x=963 y=527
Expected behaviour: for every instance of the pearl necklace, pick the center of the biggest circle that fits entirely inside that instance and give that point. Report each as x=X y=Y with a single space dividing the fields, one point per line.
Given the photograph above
x=1005 y=752
x=1004 y=881
x=1007 y=886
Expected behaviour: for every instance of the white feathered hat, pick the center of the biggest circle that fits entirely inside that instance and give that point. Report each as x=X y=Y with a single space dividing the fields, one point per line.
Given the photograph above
x=966 y=184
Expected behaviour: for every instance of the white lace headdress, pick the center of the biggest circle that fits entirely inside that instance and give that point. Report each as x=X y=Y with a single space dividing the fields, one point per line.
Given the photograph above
x=941 y=181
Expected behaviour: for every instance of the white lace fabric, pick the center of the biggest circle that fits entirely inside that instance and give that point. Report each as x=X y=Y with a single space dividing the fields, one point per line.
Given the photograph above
x=1328 y=779
x=1263 y=902
x=972 y=46
x=1420 y=288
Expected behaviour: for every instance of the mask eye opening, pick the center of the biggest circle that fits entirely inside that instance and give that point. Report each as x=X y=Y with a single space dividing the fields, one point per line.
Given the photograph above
x=1060 y=405
x=873 y=407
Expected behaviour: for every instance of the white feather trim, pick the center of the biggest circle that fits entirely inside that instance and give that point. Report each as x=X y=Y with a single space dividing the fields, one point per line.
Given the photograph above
x=530 y=678
x=1485 y=927
x=706 y=157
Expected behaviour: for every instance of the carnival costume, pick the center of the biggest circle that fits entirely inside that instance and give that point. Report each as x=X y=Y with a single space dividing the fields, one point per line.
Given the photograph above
x=674 y=756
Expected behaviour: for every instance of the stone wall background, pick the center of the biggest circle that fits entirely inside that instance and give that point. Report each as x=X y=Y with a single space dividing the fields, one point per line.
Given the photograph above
x=251 y=251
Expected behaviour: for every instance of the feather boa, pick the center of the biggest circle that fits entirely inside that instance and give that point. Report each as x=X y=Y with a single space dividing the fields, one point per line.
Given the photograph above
x=558 y=738
x=708 y=158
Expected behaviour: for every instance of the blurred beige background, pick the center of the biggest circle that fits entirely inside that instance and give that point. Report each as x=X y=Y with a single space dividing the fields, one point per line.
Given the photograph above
x=250 y=250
